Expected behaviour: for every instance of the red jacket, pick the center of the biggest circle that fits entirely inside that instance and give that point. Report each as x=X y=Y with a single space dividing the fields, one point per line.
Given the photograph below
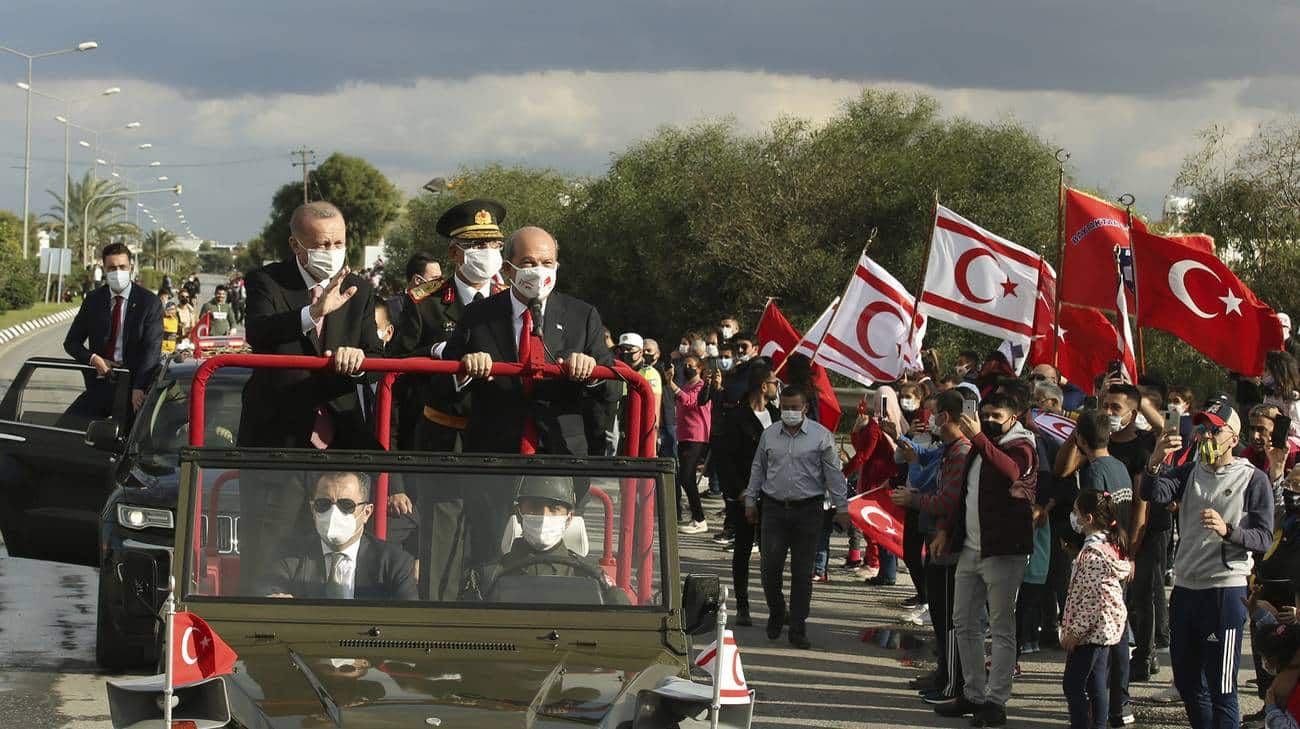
x=1008 y=479
x=873 y=458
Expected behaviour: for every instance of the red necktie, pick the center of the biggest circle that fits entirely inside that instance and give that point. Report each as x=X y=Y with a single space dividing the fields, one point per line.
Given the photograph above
x=115 y=328
x=530 y=350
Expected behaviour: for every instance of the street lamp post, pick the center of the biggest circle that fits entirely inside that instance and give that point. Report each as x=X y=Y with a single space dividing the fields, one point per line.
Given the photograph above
x=85 y=215
x=27 y=141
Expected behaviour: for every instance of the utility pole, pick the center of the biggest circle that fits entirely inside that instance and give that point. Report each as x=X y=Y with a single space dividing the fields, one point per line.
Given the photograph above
x=302 y=153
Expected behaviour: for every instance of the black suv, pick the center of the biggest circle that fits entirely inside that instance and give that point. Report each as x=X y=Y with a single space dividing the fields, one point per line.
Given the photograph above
x=103 y=492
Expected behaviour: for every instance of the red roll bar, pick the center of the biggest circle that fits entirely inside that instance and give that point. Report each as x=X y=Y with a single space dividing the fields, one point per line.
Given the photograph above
x=638 y=439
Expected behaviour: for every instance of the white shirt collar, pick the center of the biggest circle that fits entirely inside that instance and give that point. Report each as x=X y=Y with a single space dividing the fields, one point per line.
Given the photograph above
x=126 y=292
x=351 y=551
x=467 y=292
x=520 y=307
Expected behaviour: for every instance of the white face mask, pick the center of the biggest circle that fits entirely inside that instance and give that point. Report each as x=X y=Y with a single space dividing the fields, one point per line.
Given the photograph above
x=908 y=404
x=1141 y=422
x=544 y=531
x=1180 y=408
x=534 y=283
x=724 y=363
x=1116 y=423
x=935 y=429
x=684 y=348
x=118 y=281
x=710 y=350
x=481 y=265
x=728 y=332
x=336 y=528
x=382 y=334
x=792 y=418
x=325 y=263
x=1074 y=522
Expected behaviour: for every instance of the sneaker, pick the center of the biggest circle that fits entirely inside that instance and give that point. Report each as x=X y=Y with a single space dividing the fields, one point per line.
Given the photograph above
x=1124 y=718
x=820 y=577
x=960 y=706
x=934 y=697
x=923 y=683
x=1028 y=648
x=866 y=572
x=914 y=615
x=911 y=602
x=990 y=715
x=1167 y=695
x=879 y=581
x=695 y=527
x=1016 y=672
x=724 y=537
x=923 y=618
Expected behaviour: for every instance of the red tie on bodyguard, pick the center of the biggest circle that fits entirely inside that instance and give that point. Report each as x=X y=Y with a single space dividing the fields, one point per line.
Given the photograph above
x=115 y=328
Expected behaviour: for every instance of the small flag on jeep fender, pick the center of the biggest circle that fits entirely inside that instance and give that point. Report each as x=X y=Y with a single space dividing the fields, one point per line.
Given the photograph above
x=197 y=651
x=734 y=689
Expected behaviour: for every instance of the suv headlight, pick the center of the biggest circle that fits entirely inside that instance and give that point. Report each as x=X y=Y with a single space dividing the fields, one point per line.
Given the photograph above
x=142 y=517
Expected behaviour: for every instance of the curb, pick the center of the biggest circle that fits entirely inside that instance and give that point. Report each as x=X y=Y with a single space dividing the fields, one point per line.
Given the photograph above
x=18 y=330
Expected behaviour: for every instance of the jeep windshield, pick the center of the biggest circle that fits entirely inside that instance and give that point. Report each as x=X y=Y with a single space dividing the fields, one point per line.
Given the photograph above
x=163 y=424
x=541 y=533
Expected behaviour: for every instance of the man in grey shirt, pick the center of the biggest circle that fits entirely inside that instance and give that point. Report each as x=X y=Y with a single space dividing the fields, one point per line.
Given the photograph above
x=795 y=472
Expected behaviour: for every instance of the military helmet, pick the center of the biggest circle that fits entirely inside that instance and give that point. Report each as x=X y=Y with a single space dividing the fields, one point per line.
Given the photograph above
x=552 y=488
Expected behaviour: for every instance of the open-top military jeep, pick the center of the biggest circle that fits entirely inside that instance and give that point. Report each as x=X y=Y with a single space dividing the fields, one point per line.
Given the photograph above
x=454 y=615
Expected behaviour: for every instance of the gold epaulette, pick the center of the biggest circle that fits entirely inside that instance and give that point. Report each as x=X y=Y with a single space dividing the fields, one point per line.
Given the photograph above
x=421 y=292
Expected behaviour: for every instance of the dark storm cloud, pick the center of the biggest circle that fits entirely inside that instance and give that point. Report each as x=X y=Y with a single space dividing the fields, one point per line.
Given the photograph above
x=273 y=46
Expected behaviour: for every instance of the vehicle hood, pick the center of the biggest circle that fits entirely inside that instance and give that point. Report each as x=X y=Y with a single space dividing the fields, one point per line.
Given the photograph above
x=478 y=686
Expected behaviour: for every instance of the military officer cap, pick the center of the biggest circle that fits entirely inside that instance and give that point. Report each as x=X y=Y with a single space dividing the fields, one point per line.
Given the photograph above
x=551 y=488
x=473 y=220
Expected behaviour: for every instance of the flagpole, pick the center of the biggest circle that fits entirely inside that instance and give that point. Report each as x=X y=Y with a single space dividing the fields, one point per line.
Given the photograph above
x=1061 y=157
x=925 y=267
x=715 y=708
x=1127 y=201
x=871 y=238
x=169 y=612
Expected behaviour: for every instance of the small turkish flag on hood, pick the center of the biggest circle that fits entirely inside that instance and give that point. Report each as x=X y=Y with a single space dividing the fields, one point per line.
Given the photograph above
x=875 y=515
x=197 y=652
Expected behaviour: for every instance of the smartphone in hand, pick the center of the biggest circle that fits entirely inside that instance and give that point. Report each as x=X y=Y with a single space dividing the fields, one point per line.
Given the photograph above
x=1173 y=418
x=970 y=407
x=1281 y=429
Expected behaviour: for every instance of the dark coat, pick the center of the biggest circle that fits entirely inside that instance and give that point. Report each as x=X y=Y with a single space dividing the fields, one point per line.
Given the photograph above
x=738 y=433
x=280 y=405
x=383 y=572
x=1007 y=484
x=496 y=422
x=141 y=335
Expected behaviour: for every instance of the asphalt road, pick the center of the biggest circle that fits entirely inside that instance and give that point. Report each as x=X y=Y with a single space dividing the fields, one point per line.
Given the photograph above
x=855 y=676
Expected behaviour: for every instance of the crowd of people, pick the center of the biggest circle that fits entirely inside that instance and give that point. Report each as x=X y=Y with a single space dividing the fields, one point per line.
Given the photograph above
x=1035 y=515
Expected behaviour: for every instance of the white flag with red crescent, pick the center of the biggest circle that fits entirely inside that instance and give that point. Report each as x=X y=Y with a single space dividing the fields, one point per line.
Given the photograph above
x=980 y=281
x=734 y=690
x=867 y=338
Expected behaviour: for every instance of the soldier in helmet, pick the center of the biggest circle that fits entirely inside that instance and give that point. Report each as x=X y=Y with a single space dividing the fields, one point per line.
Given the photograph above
x=544 y=506
x=428 y=317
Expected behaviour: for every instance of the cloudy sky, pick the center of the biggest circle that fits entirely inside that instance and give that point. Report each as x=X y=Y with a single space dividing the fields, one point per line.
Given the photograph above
x=224 y=90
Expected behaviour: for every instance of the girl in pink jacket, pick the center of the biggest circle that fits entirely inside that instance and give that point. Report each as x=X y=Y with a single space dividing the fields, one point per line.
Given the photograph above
x=1094 y=608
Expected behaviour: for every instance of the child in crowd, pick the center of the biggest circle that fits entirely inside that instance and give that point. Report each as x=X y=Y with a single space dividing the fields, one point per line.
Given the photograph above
x=1095 y=615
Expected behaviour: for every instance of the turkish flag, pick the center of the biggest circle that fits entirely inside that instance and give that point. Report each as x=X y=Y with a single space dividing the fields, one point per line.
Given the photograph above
x=1041 y=350
x=980 y=281
x=1094 y=228
x=1197 y=298
x=1200 y=241
x=777 y=338
x=876 y=516
x=197 y=652
x=867 y=339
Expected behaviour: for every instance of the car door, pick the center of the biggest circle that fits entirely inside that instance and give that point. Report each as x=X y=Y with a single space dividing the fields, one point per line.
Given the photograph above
x=53 y=484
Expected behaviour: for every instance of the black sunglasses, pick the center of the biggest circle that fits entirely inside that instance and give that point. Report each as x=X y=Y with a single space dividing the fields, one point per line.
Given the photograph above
x=347 y=506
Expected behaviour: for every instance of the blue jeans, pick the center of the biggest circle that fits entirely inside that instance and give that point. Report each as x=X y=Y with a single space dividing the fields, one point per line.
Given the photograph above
x=823 y=556
x=888 y=565
x=1084 y=685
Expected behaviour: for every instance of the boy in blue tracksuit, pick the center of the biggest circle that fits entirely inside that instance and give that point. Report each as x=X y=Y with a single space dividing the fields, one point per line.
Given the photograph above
x=1225 y=512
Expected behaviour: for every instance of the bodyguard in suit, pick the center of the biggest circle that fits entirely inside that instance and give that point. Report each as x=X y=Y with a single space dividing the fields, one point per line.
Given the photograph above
x=122 y=323
x=309 y=304
x=341 y=561
x=512 y=415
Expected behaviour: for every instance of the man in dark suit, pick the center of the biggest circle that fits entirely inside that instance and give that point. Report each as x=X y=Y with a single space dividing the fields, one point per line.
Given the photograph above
x=342 y=562
x=511 y=415
x=310 y=304
x=122 y=322
x=507 y=409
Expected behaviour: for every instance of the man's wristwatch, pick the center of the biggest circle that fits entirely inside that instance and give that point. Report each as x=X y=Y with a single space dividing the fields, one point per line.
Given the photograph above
x=1154 y=469
x=1227 y=534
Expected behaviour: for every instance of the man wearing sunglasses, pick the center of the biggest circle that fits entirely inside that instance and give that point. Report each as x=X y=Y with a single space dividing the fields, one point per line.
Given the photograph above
x=1225 y=512
x=343 y=562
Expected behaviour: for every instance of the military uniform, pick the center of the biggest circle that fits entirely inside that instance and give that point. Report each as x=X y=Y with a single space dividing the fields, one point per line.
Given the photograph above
x=428 y=317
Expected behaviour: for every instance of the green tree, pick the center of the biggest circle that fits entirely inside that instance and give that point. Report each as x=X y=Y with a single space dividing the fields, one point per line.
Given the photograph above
x=369 y=202
x=20 y=286
x=107 y=218
x=156 y=246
